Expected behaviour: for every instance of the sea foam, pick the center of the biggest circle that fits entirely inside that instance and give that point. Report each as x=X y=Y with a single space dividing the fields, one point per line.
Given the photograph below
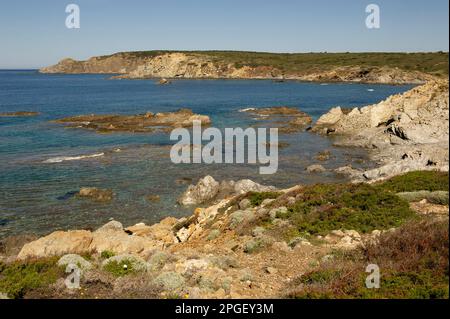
x=60 y=159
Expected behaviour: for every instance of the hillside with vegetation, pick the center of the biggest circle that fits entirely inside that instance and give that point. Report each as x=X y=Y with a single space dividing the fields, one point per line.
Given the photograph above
x=354 y=67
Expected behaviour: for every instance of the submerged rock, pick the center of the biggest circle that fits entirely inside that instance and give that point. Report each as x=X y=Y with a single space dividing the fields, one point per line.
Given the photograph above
x=164 y=81
x=315 y=168
x=286 y=119
x=101 y=195
x=19 y=114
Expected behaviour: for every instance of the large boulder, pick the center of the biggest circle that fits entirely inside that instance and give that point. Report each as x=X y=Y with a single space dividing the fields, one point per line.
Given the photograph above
x=205 y=190
x=245 y=185
x=58 y=243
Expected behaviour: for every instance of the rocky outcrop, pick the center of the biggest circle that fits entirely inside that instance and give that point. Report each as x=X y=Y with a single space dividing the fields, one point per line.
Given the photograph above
x=113 y=64
x=286 y=119
x=141 y=123
x=140 y=65
x=57 y=244
x=208 y=190
x=406 y=132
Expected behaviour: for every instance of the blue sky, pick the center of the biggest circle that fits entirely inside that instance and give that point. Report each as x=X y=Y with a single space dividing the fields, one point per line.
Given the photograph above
x=33 y=33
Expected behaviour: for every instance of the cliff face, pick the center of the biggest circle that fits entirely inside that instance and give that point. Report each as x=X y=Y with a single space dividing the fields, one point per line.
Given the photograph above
x=117 y=63
x=196 y=65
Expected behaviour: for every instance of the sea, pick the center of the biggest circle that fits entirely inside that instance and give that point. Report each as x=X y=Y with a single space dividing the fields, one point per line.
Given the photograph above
x=43 y=163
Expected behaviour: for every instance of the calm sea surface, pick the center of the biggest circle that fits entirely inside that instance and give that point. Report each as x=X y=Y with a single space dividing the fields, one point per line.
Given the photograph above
x=35 y=188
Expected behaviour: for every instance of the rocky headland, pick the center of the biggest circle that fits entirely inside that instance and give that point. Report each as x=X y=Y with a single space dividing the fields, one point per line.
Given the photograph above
x=364 y=68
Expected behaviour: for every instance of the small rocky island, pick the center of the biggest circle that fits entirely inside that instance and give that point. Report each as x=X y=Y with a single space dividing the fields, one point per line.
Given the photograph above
x=141 y=123
x=19 y=114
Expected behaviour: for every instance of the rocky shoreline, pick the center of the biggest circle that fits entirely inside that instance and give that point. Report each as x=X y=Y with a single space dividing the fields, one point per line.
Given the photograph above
x=246 y=245
x=252 y=241
x=406 y=132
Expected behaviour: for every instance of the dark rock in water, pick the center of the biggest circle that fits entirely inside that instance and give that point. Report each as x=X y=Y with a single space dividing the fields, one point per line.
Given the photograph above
x=164 y=81
x=67 y=195
x=3 y=222
x=96 y=194
x=153 y=198
x=183 y=181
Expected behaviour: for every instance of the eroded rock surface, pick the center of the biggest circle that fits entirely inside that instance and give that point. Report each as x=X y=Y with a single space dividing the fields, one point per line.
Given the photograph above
x=405 y=132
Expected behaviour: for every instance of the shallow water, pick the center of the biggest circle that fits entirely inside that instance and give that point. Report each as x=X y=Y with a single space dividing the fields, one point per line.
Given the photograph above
x=42 y=163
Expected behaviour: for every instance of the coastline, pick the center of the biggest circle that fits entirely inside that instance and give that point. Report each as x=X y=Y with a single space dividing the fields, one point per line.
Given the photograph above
x=250 y=243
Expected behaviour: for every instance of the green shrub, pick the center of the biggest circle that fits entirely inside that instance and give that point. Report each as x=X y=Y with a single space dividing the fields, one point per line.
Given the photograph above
x=107 y=254
x=438 y=197
x=322 y=208
x=120 y=268
x=18 y=278
x=256 y=198
x=416 y=181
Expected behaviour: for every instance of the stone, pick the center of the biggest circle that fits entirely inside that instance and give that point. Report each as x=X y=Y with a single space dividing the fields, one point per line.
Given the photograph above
x=205 y=190
x=298 y=241
x=271 y=270
x=330 y=118
x=153 y=198
x=57 y=244
x=101 y=195
x=193 y=265
x=315 y=169
x=281 y=246
x=246 y=185
x=163 y=81
x=111 y=238
x=112 y=226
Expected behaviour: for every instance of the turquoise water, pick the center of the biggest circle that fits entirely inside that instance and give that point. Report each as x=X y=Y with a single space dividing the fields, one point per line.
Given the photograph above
x=33 y=191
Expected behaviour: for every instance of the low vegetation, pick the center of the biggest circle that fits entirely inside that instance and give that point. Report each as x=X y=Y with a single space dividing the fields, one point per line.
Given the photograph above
x=435 y=63
x=256 y=198
x=322 y=208
x=18 y=278
x=413 y=263
x=120 y=268
x=416 y=181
